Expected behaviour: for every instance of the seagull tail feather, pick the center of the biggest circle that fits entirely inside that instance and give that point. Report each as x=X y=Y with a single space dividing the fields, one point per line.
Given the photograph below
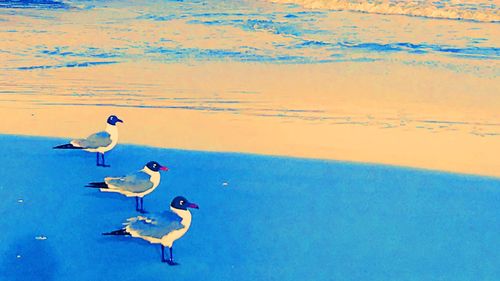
x=117 y=232
x=67 y=146
x=97 y=185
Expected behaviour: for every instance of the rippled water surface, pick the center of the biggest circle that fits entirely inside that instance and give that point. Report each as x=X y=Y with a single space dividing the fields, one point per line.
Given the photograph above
x=41 y=37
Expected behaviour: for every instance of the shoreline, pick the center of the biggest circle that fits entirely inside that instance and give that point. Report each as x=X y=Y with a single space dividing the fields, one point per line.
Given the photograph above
x=373 y=112
x=274 y=156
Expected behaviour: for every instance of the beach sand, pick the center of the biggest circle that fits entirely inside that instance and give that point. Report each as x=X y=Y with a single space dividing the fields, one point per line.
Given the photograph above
x=374 y=112
x=260 y=218
x=292 y=128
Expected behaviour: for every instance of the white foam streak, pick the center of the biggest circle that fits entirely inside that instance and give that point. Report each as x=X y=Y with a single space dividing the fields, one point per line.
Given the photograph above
x=476 y=11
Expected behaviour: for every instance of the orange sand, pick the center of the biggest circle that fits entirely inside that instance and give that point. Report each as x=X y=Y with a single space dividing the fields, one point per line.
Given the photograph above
x=368 y=112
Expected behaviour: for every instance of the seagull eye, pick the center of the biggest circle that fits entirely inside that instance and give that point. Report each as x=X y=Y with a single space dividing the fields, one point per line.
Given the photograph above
x=182 y=202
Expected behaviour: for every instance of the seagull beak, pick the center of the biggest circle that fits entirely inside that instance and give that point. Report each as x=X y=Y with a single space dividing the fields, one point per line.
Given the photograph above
x=163 y=168
x=119 y=120
x=193 y=206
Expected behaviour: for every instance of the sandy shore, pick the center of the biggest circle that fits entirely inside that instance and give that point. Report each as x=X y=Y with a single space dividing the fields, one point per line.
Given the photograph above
x=367 y=112
x=258 y=206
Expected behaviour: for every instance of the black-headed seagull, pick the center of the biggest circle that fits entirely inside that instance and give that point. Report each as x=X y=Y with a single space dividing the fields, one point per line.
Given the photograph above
x=137 y=184
x=99 y=143
x=162 y=228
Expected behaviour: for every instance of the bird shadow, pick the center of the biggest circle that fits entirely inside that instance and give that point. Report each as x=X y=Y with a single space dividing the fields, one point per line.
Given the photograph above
x=109 y=196
x=122 y=246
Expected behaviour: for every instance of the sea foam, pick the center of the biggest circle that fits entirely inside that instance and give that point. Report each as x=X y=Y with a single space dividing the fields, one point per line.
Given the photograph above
x=479 y=10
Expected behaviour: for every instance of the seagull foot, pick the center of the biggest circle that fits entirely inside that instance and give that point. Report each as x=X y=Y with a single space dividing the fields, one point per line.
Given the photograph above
x=171 y=262
x=103 y=165
x=142 y=211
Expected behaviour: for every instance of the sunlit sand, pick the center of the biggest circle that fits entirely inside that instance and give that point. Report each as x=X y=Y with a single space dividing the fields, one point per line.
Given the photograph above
x=292 y=81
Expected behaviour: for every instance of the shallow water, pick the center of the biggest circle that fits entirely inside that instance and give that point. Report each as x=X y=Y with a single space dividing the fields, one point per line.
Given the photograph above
x=260 y=218
x=322 y=79
x=216 y=30
x=46 y=40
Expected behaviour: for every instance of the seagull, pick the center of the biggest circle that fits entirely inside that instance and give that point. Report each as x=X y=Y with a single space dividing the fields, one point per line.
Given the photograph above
x=138 y=184
x=100 y=142
x=163 y=228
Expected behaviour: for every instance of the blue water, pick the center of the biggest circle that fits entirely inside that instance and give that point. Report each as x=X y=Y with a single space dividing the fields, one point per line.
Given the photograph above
x=276 y=219
x=298 y=35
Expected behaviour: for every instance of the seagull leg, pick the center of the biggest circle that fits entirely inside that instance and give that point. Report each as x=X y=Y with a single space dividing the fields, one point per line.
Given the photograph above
x=103 y=161
x=141 y=209
x=97 y=159
x=163 y=254
x=171 y=260
x=137 y=204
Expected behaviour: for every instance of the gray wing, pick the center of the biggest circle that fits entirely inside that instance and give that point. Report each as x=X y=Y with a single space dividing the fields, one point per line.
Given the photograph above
x=101 y=139
x=137 y=182
x=155 y=225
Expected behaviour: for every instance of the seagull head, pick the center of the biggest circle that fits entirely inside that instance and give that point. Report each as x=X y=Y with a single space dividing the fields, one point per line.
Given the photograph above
x=155 y=166
x=182 y=203
x=112 y=120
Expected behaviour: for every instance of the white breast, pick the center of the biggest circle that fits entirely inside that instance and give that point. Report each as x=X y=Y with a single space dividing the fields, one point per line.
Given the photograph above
x=155 y=179
x=168 y=240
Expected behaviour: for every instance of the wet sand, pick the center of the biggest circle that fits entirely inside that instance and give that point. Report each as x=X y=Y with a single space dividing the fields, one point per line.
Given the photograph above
x=374 y=112
x=257 y=77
